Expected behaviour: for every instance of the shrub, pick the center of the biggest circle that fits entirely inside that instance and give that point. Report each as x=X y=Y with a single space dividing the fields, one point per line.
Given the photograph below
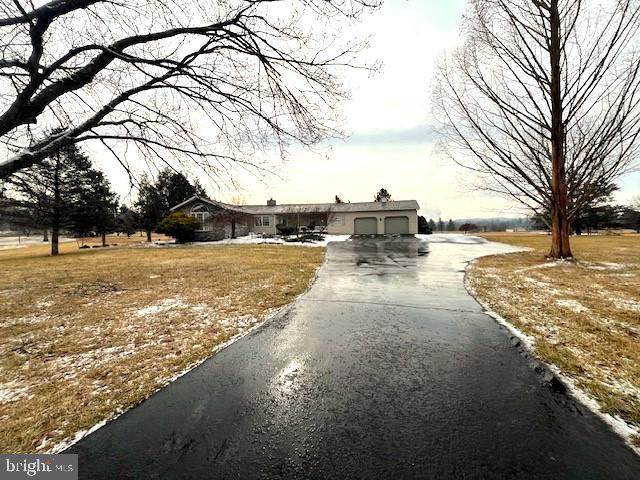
x=307 y=237
x=285 y=229
x=180 y=226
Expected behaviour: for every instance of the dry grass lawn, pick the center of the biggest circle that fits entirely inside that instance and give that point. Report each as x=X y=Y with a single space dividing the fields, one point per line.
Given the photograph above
x=90 y=333
x=583 y=316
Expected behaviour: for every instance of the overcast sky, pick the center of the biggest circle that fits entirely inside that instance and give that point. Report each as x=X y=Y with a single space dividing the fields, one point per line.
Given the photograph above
x=388 y=118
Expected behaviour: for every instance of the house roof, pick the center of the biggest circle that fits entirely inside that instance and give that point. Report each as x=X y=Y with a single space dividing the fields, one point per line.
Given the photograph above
x=226 y=206
x=293 y=208
x=332 y=207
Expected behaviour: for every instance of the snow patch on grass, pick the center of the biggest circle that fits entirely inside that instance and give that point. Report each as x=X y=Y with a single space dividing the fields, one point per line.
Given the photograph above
x=548 y=264
x=160 y=307
x=572 y=305
x=255 y=239
x=603 y=265
x=12 y=391
x=91 y=358
x=527 y=340
x=623 y=304
x=246 y=324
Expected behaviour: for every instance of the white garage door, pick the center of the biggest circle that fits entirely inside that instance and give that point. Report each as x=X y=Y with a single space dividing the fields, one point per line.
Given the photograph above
x=396 y=225
x=365 y=226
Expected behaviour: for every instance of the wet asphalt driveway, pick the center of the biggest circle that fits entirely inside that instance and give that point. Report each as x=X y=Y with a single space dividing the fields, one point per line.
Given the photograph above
x=386 y=368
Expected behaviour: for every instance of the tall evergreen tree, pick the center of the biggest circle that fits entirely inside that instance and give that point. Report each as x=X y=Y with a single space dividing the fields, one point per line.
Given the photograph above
x=175 y=188
x=382 y=194
x=155 y=199
x=150 y=206
x=55 y=194
x=451 y=227
x=126 y=221
x=95 y=207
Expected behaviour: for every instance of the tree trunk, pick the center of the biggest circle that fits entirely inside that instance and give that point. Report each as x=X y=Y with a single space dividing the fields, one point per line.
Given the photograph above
x=560 y=228
x=233 y=227
x=54 y=240
x=148 y=235
x=45 y=235
x=104 y=239
x=55 y=220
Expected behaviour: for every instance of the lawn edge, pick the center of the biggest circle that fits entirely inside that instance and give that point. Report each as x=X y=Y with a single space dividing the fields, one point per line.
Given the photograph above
x=271 y=314
x=619 y=426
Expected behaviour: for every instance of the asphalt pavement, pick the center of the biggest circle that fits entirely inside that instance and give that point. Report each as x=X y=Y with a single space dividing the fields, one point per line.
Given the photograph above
x=386 y=368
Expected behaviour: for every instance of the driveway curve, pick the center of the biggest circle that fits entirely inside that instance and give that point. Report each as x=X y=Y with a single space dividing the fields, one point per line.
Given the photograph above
x=385 y=368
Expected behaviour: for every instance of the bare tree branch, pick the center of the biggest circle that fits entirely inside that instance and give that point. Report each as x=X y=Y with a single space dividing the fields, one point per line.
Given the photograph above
x=198 y=81
x=543 y=101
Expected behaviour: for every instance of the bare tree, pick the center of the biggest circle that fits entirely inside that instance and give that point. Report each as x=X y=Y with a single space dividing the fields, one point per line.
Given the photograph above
x=542 y=100
x=181 y=81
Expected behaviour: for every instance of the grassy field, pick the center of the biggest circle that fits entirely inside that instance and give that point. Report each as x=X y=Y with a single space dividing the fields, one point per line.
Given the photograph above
x=584 y=316
x=92 y=332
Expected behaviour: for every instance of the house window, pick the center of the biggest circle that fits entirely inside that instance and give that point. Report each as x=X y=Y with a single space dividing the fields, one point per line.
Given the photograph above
x=263 y=221
x=338 y=219
x=201 y=216
x=201 y=212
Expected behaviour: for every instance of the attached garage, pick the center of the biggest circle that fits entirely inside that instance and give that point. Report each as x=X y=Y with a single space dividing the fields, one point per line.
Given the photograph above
x=365 y=226
x=396 y=225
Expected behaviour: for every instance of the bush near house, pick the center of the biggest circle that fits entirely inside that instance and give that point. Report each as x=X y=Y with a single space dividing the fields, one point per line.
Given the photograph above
x=286 y=229
x=180 y=226
x=307 y=237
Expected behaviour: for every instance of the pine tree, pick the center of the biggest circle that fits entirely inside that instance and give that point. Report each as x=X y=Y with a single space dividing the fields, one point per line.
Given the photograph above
x=126 y=221
x=440 y=225
x=95 y=207
x=150 y=206
x=451 y=227
x=156 y=199
x=51 y=194
x=432 y=224
x=175 y=188
x=381 y=195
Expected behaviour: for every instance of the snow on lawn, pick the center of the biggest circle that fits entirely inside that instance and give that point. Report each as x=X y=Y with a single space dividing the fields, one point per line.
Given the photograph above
x=572 y=305
x=12 y=391
x=80 y=348
x=253 y=239
x=451 y=238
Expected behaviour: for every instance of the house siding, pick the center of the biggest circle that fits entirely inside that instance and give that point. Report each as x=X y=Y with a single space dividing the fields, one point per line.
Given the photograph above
x=270 y=230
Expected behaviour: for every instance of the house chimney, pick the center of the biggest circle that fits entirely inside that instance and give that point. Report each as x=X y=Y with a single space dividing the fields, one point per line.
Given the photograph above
x=271 y=202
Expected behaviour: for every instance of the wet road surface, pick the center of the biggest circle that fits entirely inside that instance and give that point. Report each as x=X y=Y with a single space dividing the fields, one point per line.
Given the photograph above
x=386 y=368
